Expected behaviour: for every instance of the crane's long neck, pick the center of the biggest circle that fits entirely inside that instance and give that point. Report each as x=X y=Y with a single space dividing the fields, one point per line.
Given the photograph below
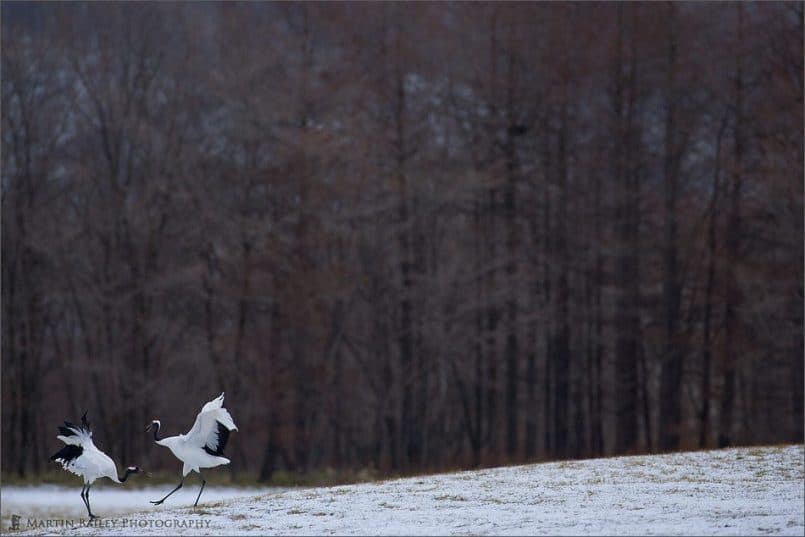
x=156 y=431
x=125 y=476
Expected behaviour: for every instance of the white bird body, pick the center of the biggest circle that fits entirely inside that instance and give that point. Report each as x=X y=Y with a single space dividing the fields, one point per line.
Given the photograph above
x=92 y=465
x=203 y=445
x=82 y=457
x=189 y=453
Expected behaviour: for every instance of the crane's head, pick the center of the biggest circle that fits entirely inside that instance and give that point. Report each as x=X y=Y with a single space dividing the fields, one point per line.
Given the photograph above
x=130 y=470
x=137 y=470
x=155 y=427
x=155 y=424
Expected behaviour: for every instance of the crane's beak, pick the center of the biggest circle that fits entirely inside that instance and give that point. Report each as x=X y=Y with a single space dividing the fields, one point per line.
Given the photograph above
x=145 y=473
x=149 y=427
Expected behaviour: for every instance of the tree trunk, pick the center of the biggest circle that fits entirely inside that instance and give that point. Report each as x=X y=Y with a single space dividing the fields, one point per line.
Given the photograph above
x=730 y=358
x=671 y=374
x=510 y=208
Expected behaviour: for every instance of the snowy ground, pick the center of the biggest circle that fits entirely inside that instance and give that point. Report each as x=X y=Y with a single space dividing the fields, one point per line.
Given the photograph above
x=55 y=502
x=750 y=491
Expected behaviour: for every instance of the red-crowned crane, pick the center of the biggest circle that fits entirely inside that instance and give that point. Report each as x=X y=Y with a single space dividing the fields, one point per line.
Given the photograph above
x=81 y=457
x=203 y=446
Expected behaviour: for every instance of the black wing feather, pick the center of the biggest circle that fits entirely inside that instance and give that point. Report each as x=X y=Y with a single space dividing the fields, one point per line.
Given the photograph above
x=223 y=436
x=68 y=453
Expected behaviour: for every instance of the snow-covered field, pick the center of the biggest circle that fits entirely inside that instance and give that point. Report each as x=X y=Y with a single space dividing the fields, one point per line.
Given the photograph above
x=55 y=502
x=747 y=491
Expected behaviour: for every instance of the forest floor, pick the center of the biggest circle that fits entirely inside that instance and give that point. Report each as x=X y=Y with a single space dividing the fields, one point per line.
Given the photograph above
x=742 y=491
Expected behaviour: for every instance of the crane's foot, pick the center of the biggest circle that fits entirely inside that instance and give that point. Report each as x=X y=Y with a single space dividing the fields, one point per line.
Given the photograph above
x=93 y=517
x=157 y=502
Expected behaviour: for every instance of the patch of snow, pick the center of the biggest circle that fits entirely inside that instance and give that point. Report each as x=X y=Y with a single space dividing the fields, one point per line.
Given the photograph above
x=58 y=502
x=746 y=491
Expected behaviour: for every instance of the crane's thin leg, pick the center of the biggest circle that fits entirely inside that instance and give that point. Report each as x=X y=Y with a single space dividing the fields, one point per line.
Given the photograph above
x=157 y=502
x=89 y=509
x=83 y=498
x=199 y=492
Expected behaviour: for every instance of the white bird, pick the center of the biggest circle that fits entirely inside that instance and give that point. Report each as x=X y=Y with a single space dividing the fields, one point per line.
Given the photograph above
x=203 y=446
x=81 y=457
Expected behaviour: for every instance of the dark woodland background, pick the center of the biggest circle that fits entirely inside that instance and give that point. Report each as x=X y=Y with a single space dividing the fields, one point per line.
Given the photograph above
x=402 y=237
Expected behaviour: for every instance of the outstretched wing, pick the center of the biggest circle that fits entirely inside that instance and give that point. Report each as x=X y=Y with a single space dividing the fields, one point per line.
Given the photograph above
x=70 y=458
x=211 y=430
x=67 y=455
x=76 y=435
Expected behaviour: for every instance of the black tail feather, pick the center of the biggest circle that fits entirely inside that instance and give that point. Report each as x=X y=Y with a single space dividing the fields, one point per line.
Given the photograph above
x=68 y=425
x=66 y=431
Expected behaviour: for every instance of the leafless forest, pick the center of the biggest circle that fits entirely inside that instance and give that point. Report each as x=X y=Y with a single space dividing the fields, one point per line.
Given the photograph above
x=403 y=237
